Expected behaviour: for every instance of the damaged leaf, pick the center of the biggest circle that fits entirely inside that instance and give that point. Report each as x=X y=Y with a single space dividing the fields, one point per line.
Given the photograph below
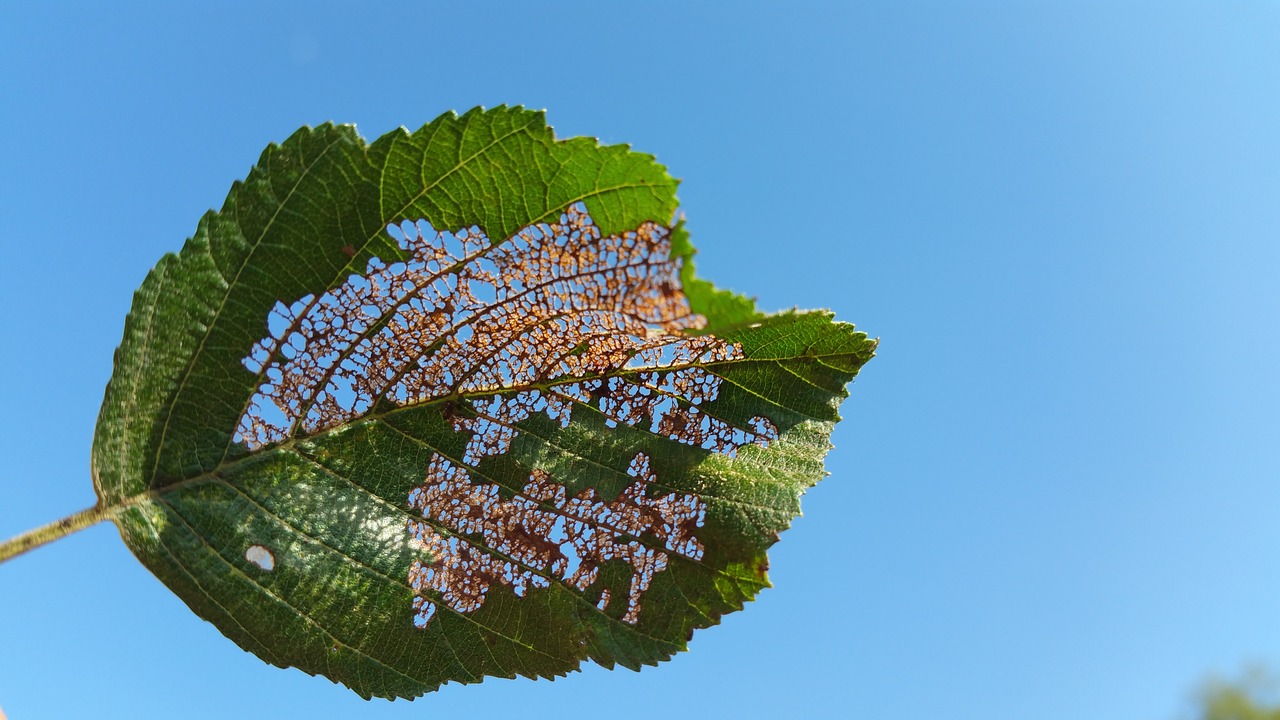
x=452 y=404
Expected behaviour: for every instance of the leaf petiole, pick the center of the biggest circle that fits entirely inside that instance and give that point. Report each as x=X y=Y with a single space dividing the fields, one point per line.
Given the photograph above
x=55 y=530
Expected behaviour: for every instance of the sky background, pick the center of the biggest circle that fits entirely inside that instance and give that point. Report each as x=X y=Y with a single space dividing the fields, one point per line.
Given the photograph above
x=1055 y=493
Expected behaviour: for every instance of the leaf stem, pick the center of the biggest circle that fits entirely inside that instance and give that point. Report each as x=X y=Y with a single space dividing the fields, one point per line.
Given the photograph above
x=33 y=539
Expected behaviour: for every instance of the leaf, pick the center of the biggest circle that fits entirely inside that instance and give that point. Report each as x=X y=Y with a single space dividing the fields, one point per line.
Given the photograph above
x=453 y=404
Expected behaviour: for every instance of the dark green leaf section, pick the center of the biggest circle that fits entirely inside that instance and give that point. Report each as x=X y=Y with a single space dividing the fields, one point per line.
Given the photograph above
x=332 y=510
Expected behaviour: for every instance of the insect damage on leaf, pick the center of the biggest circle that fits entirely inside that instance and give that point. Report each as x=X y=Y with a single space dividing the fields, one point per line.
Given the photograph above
x=543 y=532
x=557 y=316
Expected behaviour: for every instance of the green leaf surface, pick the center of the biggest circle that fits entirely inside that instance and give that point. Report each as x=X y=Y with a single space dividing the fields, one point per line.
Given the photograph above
x=360 y=456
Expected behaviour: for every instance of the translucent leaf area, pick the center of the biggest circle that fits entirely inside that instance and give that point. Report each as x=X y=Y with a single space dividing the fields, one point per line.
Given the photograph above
x=454 y=404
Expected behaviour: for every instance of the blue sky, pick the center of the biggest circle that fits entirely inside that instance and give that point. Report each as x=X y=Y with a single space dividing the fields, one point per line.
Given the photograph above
x=1055 y=493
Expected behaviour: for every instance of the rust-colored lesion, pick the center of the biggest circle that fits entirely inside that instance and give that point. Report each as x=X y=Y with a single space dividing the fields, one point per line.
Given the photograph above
x=556 y=317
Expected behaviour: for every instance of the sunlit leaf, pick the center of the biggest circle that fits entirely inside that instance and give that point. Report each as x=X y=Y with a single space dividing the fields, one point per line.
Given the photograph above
x=453 y=404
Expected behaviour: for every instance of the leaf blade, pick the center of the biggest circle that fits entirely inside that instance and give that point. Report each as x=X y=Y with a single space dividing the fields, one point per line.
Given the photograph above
x=303 y=549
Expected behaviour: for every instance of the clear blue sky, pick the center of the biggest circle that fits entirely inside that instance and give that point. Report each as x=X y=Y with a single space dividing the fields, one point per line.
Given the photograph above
x=1056 y=493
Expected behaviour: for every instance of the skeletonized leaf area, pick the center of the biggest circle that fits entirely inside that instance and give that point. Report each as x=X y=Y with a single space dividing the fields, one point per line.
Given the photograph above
x=463 y=316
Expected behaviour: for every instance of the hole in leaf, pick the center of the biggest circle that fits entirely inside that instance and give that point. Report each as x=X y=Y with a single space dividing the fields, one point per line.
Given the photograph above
x=260 y=556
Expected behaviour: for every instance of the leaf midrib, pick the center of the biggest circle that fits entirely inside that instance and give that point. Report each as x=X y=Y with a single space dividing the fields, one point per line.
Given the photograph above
x=466 y=395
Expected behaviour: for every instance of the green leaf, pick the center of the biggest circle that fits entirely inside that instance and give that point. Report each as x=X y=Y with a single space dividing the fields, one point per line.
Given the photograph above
x=453 y=404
